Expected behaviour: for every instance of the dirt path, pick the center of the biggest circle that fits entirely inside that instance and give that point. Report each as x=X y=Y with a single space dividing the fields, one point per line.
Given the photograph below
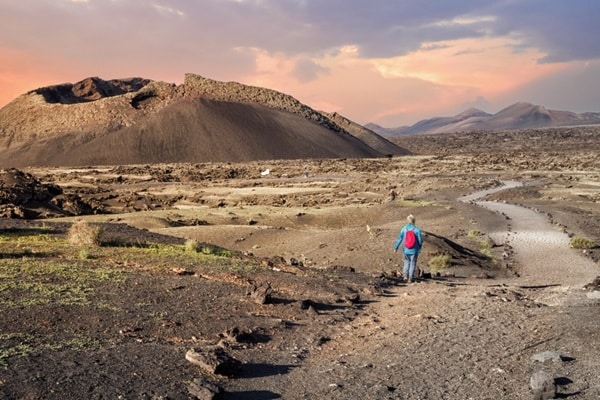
x=541 y=249
x=462 y=339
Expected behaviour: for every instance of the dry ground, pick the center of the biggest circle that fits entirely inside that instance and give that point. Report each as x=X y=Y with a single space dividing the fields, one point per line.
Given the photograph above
x=116 y=321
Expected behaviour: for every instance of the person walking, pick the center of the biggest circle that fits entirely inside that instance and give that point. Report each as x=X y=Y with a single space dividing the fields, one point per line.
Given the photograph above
x=411 y=239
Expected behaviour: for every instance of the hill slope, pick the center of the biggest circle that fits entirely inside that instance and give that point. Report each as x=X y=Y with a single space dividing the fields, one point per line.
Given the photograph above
x=365 y=134
x=132 y=121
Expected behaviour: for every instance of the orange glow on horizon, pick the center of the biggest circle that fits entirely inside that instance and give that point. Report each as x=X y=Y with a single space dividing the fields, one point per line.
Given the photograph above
x=421 y=84
x=21 y=72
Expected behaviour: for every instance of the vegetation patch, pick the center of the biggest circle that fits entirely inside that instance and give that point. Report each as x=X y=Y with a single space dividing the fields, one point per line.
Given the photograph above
x=417 y=203
x=23 y=345
x=14 y=345
x=161 y=258
x=28 y=243
x=190 y=248
x=485 y=248
x=439 y=263
x=582 y=243
x=191 y=245
x=216 y=251
x=31 y=282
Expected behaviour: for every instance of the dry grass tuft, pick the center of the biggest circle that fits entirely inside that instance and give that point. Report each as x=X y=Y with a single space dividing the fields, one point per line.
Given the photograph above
x=191 y=245
x=83 y=233
x=439 y=263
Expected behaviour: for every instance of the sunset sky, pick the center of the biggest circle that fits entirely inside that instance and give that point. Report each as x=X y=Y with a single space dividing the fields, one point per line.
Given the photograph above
x=391 y=62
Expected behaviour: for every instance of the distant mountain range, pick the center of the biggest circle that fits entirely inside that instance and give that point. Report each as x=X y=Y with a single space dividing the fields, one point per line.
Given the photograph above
x=517 y=116
x=140 y=121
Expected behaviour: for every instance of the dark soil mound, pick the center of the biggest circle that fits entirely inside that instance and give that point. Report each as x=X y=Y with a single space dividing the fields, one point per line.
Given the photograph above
x=137 y=121
x=206 y=130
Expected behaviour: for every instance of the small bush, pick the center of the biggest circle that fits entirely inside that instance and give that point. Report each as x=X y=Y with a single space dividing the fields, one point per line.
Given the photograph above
x=82 y=233
x=84 y=253
x=486 y=248
x=194 y=246
x=582 y=243
x=191 y=245
x=215 y=251
x=474 y=233
x=439 y=263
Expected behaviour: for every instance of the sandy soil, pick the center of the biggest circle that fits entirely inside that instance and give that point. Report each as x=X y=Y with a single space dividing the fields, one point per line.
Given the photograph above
x=340 y=323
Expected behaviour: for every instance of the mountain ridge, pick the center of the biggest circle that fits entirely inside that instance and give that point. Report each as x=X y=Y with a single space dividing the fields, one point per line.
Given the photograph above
x=520 y=115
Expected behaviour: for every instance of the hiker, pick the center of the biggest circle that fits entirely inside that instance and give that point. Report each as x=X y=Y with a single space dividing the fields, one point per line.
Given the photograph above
x=411 y=240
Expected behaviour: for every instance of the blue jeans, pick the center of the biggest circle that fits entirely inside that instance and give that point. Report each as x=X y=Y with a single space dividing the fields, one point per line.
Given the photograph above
x=410 y=266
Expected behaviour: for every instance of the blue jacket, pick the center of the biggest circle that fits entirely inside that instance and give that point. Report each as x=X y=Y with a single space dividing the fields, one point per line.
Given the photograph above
x=418 y=245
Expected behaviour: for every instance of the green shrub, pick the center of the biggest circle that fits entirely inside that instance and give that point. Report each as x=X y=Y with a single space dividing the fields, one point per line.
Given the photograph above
x=215 y=251
x=439 y=262
x=194 y=246
x=485 y=247
x=582 y=243
x=84 y=253
x=191 y=245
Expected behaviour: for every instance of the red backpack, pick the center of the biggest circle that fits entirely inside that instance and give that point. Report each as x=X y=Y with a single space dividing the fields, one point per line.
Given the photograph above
x=410 y=239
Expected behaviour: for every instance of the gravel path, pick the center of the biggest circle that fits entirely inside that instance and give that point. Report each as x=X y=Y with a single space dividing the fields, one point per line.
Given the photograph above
x=541 y=249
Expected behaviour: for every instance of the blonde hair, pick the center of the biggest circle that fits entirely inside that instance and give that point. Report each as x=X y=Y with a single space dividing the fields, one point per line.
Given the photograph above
x=411 y=219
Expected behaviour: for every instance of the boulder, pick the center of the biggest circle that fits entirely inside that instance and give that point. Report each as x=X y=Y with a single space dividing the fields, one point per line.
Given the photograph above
x=203 y=389
x=543 y=386
x=214 y=360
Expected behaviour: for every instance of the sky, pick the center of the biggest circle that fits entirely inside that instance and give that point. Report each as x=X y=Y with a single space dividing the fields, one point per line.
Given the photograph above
x=390 y=62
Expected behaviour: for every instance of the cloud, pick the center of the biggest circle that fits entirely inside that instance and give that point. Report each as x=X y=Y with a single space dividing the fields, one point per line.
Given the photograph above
x=564 y=31
x=486 y=63
x=573 y=88
x=168 y=10
x=409 y=58
x=378 y=28
x=307 y=70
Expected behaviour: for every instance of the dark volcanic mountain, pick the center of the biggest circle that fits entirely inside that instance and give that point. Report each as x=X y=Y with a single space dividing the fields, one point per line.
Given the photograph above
x=135 y=121
x=517 y=116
